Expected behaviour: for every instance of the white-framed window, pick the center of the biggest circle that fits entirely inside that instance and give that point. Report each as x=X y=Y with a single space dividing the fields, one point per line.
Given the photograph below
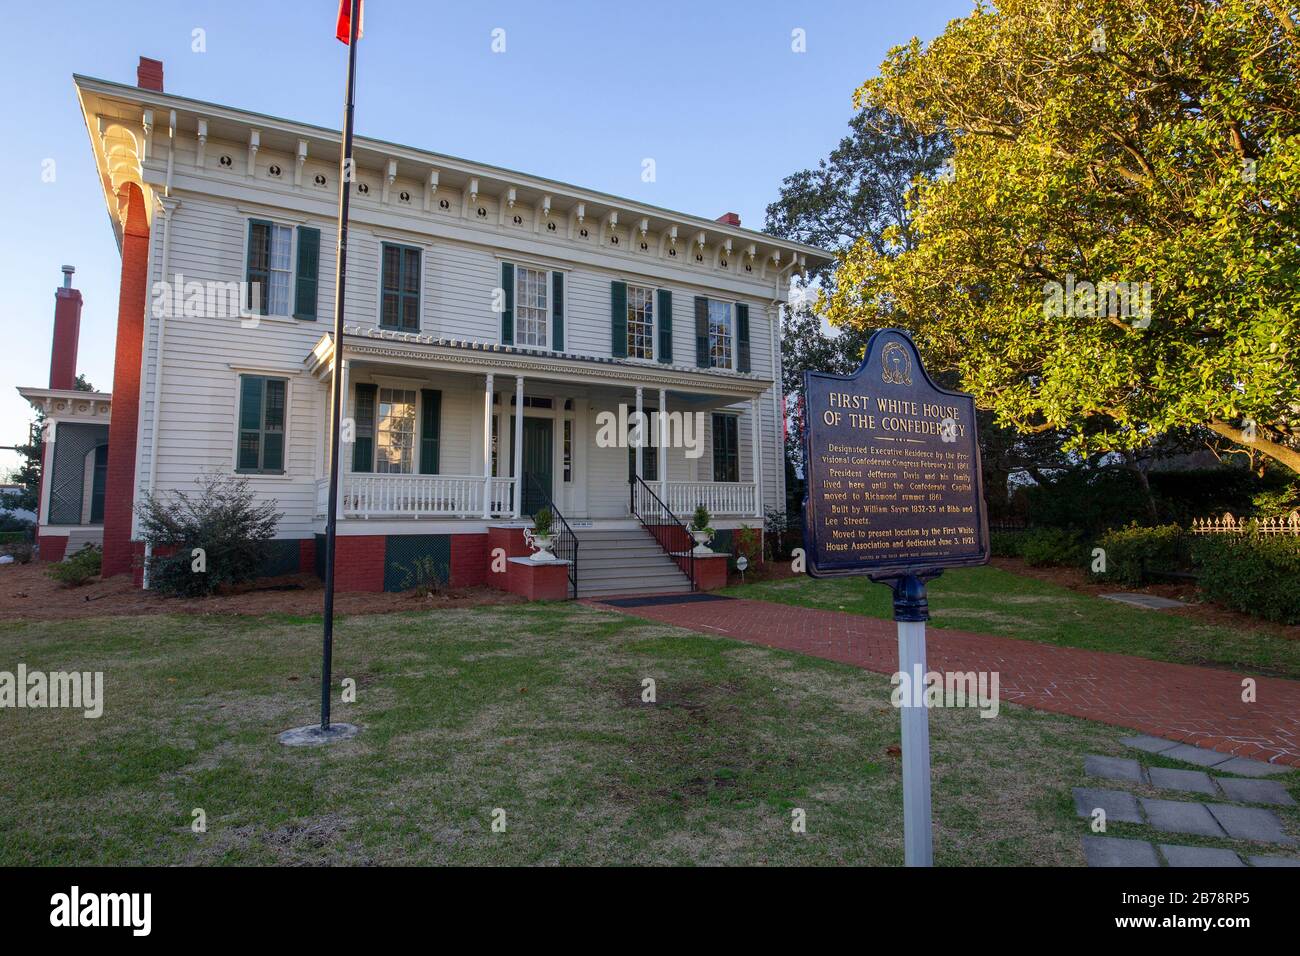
x=640 y=322
x=532 y=315
x=721 y=337
x=270 y=267
x=395 y=431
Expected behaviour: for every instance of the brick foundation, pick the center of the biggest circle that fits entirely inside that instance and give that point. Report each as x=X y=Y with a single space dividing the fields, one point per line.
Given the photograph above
x=711 y=572
x=538 y=580
x=307 y=556
x=359 y=562
x=52 y=548
x=469 y=560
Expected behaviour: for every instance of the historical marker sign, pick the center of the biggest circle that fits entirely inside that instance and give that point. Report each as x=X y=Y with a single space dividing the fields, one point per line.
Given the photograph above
x=893 y=469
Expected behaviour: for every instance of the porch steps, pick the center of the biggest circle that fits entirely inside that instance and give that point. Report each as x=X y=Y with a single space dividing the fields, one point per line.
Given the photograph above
x=78 y=538
x=625 y=561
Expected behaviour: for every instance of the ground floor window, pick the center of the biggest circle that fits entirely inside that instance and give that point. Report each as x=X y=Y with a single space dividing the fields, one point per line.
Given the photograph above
x=261 y=424
x=395 y=432
x=726 y=448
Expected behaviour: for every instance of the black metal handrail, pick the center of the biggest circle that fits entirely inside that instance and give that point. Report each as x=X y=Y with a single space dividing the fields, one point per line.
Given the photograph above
x=666 y=528
x=564 y=542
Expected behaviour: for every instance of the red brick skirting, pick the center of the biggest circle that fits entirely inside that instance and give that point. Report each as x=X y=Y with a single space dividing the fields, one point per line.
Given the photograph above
x=469 y=560
x=359 y=562
x=1198 y=705
x=52 y=548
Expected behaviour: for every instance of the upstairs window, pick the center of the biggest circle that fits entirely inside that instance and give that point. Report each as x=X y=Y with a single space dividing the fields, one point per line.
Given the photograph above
x=270 y=246
x=640 y=322
x=720 y=334
x=531 y=309
x=400 y=306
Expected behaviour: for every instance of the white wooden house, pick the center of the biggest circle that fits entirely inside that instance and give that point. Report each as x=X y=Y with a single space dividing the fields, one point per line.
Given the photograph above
x=491 y=318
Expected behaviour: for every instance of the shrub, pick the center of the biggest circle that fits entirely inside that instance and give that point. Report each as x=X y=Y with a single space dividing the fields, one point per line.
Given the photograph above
x=749 y=542
x=423 y=576
x=79 y=568
x=1051 y=547
x=1256 y=575
x=700 y=520
x=1133 y=553
x=776 y=523
x=1007 y=544
x=202 y=542
x=542 y=522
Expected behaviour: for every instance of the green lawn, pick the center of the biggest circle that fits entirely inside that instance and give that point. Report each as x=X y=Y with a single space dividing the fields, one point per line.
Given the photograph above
x=991 y=601
x=535 y=709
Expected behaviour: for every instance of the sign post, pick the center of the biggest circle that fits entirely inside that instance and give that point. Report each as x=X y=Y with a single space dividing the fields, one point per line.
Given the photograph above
x=894 y=492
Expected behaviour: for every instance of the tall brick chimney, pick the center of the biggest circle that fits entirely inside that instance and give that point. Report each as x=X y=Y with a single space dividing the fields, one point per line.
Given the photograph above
x=729 y=219
x=149 y=74
x=67 y=329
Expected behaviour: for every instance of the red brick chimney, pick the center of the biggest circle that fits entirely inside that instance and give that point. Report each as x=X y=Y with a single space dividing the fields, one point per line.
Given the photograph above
x=729 y=219
x=67 y=329
x=149 y=74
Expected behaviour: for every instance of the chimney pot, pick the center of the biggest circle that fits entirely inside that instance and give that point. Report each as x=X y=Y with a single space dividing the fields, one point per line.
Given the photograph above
x=149 y=74
x=67 y=276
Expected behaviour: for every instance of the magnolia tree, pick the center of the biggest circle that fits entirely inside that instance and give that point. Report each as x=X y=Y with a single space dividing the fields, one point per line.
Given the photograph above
x=1114 y=252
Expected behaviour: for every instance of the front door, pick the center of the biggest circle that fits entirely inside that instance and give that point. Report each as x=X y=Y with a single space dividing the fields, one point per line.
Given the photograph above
x=538 y=458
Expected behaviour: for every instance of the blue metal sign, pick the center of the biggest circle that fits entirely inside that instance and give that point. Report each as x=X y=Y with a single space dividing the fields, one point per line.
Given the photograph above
x=893 y=469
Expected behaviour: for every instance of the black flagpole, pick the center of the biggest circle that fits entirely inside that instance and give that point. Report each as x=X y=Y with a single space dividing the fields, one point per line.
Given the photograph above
x=336 y=388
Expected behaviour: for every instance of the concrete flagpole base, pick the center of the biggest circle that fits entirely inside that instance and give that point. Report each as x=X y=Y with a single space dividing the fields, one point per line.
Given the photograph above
x=314 y=736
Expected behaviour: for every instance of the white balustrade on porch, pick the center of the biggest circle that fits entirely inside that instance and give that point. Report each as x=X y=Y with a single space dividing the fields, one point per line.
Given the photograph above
x=417 y=496
x=720 y=497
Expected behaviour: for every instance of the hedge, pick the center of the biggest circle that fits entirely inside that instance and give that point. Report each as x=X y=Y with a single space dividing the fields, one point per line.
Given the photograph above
x=1253 y=574
x=1131 y=554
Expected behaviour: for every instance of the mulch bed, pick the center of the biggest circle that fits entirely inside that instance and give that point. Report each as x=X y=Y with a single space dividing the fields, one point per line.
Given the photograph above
x=28 y=593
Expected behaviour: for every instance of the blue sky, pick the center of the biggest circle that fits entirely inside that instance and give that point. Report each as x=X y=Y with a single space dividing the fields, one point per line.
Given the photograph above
x=583 y=93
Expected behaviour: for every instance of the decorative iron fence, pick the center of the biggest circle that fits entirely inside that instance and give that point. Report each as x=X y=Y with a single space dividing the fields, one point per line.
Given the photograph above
x=1227 y=524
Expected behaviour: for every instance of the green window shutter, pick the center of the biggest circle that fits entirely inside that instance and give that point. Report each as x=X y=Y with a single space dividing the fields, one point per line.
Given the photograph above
x=250 y=422
x=701 y=331
x=430 y=429
x=726 y=448
x=259 y=265
x=363 y=448
x=508 y=306
x=618 y=318
x=557 y=311
x=273 y=415
x=742 y=336
x=306 y=275
x=665 y=317
x=400 y=279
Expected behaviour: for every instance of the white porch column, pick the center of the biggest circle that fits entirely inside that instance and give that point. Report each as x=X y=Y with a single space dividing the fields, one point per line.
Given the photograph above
x=47 y=470
x=519 y=444
x=663 y=445
x=640 y=434
x=344 y=367
x=755 y=452
x=487 y=446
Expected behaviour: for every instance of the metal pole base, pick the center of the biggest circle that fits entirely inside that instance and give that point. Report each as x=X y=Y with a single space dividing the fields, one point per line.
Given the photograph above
x=314 y=735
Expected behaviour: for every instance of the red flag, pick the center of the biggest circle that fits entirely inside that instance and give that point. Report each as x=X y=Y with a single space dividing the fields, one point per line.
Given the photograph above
x=343 y=32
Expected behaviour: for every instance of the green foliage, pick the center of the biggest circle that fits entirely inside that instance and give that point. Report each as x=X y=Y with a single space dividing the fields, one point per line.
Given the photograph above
x=749 y=542
x=221 y=523
x=542 y=521
x=423 y=576
x=700 y=520
x=1088 y=499
x=1254 y=574
x=1007 y=544
x=17 y=547
x=1167 y=156
x=1052 y=548
x=1133 y=553
x=776 y=525
x=13 y=527
x=76 y=570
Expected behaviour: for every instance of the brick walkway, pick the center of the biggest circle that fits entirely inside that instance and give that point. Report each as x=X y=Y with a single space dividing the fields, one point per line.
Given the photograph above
x=1194 y=704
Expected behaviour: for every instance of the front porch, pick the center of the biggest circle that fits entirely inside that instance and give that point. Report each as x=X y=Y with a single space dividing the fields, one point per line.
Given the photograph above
x=432 y=439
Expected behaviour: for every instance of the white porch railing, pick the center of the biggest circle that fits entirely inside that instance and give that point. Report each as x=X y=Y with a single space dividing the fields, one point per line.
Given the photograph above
x=418 y=496
x=720 y=497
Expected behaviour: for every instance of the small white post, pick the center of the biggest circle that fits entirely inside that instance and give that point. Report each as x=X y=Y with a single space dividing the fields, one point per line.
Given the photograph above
x=662 y=458
x=345 y=466
x=756 y=454
x=918 y=836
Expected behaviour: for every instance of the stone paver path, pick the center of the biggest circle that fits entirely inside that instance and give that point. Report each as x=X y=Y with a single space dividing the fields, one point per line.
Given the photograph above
x=1198 y=705
x=1148 y=601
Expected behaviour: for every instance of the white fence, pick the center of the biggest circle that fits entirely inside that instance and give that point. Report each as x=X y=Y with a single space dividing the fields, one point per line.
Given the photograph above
x=419 y=496
x=1229 y=525
x=720 y=497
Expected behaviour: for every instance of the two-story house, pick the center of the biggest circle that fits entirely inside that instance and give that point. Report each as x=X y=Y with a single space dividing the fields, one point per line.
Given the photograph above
x=498 y=324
